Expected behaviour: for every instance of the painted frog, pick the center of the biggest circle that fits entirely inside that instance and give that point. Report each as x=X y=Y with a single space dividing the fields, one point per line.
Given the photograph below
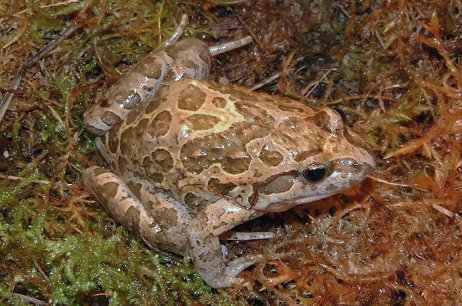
x=190 y=159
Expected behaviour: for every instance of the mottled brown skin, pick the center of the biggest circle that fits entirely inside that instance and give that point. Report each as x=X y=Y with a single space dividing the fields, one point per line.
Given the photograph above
x=198 y=158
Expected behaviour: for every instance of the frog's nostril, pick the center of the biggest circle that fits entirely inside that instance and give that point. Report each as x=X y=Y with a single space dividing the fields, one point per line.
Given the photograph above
x=346 y=165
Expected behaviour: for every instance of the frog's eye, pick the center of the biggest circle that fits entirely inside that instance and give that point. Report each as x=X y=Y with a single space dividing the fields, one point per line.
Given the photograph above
x=315 y=173
x=341 y=113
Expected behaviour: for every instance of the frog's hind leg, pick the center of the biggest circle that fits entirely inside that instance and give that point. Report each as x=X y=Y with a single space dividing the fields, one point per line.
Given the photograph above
x=178 y=31
x=170 y=62
x=235 y=44
x=135 y=88
x=125 y=207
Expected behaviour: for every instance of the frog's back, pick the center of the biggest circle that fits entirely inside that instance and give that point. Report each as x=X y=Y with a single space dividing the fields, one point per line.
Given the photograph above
x=223 y=138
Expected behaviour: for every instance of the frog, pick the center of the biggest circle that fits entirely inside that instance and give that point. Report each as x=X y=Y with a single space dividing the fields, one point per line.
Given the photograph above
x=190 y=159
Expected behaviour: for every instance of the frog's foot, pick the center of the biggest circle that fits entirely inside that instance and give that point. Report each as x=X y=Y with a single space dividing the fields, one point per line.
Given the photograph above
x=116 y=197
x=243 y=236
x=235 y=44
x=178 y=31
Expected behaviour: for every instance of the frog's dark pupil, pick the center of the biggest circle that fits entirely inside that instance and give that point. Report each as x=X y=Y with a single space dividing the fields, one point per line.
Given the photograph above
x=341 y=113
x=315 y=175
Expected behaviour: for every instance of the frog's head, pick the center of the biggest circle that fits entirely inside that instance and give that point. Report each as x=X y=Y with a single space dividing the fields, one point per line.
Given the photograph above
x=322 y=157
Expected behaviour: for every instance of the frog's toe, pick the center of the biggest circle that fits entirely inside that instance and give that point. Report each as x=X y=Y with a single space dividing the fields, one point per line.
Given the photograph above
x=236 y=266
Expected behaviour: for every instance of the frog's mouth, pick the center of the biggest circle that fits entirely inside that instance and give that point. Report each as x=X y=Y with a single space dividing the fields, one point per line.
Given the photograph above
x=286 y=205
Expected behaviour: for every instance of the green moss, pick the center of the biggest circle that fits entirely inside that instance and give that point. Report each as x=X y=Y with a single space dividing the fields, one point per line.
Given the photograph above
x=63 y=84
x=48 y=127
x=9 y=193
x=8 y=298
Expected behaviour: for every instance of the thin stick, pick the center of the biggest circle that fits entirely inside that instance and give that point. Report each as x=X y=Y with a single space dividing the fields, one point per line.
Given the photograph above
x=230 y=45
x=265 y=82
x=29 y=299
x=246 y=236
x=5 y=102
x=178 y=31
x=396 y=184
x=159 y=21
x=443 y=210
x=18 y=178
x=40 y=270
x=257 y=41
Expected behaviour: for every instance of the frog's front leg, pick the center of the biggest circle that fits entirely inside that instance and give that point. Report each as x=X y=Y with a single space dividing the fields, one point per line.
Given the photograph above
x=205 y=249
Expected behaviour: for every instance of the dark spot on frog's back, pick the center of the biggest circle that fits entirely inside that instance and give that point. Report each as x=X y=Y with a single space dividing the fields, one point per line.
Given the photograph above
x=126 y=139
x=131 y=117
x=235 y=93
x=154 y=103
x=160 y=124
x=240 y=93
x=219 y=102
x=164 y=159
x=291 y=108
x=252 y=111
x=236 y=165
x=113 y=142
x=271 y=158
x=202 y=122
x=191 y=98
x=142 y=125
x=219 y=187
